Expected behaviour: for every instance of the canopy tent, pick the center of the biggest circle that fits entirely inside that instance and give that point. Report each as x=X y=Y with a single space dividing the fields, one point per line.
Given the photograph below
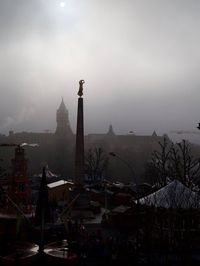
x=174 y=195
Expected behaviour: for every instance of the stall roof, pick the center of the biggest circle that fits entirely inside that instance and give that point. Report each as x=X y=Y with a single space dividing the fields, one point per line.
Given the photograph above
x=173 y=195
x=121 y=209
x=59 y=183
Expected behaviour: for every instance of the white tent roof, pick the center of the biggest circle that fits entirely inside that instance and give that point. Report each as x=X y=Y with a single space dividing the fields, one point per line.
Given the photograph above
x=59 y=183
x=173 y=195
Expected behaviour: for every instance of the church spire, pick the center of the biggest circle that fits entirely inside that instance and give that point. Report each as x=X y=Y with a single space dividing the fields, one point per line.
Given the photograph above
x=154 y=134
x=62 y=118
x=62 y=107
x=110 y=130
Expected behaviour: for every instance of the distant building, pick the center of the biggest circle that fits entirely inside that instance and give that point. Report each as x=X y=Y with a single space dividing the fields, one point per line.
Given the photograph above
x=63 y=126
x=58 y=149
x=59 y=191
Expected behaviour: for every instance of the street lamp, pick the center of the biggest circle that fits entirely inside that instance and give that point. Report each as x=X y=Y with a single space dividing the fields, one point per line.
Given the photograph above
x=137 y=199
x=126 y=163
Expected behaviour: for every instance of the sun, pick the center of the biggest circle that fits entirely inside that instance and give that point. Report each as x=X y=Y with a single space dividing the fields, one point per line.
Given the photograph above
x=62 y=4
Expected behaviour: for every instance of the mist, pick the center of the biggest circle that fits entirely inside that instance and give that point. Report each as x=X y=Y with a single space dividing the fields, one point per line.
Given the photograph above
x=140 y=61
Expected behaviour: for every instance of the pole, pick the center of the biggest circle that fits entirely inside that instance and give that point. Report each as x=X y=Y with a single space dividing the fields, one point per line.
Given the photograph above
x=41 y=245
x=126 y=163
x=137 y=200
x=106 y=200
x=79 y=155
x=130 y=168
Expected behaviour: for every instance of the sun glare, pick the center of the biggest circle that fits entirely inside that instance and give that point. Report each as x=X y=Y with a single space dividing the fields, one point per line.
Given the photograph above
x=62 y=4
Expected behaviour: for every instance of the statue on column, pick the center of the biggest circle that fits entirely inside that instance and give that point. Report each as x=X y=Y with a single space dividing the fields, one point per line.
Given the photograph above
x=80 y=92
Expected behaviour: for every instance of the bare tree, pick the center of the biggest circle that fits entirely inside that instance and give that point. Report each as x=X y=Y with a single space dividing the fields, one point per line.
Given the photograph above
x=184 y=166
x=96 y=162
x=174 y=161
x=158 y=166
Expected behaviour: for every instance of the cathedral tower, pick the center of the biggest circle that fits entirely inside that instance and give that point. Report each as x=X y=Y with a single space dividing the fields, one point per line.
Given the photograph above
x=62 y=118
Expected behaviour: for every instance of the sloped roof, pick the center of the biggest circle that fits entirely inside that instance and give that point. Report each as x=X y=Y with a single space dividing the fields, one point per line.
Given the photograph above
x=174 y=195
x=154 y=134
x=59 y=183
x=62 y=107
x=121 y=209
x=110 y=130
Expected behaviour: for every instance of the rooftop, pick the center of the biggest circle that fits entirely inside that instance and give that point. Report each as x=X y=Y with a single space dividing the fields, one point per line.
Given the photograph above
x=59 y=183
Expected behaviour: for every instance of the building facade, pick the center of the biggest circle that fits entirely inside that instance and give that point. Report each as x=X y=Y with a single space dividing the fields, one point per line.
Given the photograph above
x=58 y=149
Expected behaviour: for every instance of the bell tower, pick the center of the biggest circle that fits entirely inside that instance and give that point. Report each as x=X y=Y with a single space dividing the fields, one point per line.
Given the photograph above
x=62 y=117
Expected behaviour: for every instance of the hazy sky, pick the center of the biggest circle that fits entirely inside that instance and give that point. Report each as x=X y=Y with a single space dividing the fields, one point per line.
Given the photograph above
x=140 y=60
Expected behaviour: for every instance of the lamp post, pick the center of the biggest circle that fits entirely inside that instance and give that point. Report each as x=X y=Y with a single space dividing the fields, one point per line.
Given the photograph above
x=126 y=163
x=137 y=200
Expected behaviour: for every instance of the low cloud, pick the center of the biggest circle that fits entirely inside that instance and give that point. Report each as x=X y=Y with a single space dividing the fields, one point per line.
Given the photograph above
x=139 y=58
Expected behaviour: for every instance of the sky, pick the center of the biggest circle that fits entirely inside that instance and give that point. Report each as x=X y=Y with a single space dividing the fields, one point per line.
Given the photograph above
x=140 y=61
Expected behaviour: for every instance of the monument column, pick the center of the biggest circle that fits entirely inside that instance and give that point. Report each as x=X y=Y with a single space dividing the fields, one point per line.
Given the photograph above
x=79 y=156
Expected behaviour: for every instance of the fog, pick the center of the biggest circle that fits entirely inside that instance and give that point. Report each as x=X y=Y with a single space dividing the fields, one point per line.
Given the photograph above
x=140 y=60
